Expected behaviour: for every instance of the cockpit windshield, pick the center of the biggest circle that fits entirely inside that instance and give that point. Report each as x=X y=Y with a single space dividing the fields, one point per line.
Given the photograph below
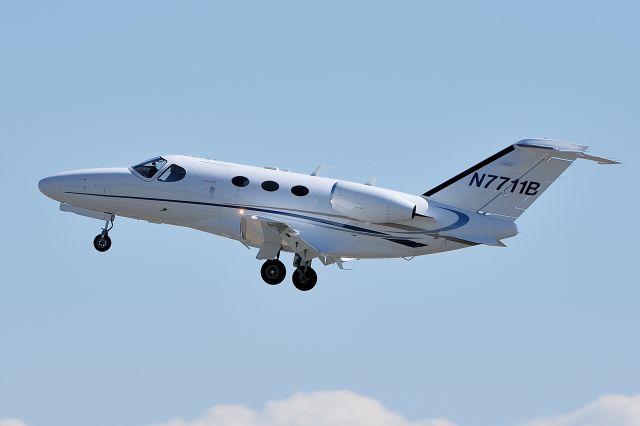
x=148 y=169
x=173 y=173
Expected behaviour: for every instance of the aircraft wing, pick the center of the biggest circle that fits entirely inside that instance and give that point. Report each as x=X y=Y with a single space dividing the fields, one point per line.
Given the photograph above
x=272 y=234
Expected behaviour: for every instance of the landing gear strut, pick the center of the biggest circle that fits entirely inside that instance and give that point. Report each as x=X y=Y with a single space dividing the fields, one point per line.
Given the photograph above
x=273 y=271
x=102 y=242
x=304 y=277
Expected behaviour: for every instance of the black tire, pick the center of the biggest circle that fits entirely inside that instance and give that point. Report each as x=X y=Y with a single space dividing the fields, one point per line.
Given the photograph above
x=273 y=272
x=304 y=282
x=101 y=243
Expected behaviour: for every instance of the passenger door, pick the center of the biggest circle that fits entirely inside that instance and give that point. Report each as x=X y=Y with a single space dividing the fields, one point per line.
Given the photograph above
x=208 y=190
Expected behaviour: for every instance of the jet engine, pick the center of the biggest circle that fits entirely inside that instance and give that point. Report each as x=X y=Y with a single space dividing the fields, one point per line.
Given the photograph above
x=374 y=205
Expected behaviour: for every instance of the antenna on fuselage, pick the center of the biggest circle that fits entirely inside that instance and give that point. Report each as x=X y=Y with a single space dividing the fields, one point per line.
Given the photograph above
x=371 y=181
x=316 y=172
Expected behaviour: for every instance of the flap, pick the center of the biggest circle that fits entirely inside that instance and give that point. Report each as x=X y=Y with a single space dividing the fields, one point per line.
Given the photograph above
x=271 y=235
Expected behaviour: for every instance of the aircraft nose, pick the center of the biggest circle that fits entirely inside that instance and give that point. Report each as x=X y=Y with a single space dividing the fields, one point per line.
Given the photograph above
x=51 y=187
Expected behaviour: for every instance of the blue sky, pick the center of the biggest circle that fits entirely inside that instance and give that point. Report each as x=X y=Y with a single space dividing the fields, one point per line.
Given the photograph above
x=171 y=322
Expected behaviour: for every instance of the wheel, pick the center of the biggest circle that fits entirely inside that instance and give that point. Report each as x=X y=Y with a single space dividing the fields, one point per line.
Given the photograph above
x=273 y=272
x=102 y=243
x=306 y=281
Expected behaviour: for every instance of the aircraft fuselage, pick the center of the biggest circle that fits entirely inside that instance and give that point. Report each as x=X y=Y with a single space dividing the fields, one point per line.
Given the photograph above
x=207 y=200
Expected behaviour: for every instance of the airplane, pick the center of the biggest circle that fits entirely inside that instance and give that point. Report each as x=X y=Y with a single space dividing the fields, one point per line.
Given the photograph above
x=316 y=217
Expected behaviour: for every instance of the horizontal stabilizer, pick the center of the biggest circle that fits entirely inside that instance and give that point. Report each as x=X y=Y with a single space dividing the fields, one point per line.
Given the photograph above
x=565 y=147
x=599 y=160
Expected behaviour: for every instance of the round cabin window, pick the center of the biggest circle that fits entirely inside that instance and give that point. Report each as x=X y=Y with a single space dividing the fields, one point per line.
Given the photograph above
x=240 y=181
x=270 y=185
x=300 y=190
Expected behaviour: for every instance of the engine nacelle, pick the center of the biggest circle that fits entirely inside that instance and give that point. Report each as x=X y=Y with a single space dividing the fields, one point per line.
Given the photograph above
x=372 y=204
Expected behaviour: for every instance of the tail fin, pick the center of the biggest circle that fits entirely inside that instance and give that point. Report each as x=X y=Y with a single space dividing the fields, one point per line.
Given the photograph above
x=508 y=182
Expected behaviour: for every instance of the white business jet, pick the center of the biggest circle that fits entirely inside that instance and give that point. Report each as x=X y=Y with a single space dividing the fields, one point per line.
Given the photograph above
x=316 y=217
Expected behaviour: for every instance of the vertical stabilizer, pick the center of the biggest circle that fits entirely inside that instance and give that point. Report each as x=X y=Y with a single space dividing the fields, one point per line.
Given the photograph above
x=508 y=182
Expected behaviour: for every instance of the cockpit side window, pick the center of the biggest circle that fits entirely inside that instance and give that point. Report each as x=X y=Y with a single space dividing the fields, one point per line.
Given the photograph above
x=148 y=169
x=173 y=174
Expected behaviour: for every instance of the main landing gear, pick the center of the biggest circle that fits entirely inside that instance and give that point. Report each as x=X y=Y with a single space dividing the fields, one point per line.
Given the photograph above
x=273 y=272
x=102 y=242
x=304 y=277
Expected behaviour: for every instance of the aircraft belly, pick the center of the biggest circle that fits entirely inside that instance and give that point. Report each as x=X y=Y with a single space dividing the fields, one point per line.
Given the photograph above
x=359 y=245
x=339 y=239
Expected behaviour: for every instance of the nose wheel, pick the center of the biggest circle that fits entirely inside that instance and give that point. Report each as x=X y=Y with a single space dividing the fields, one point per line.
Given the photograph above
x=273 y=272
x=102 y=242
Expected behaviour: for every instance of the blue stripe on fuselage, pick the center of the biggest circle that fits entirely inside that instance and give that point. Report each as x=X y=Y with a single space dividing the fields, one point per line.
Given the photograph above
x=462 y=218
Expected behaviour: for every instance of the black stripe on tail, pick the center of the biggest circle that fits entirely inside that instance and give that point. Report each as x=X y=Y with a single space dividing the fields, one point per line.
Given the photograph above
x=470 y=170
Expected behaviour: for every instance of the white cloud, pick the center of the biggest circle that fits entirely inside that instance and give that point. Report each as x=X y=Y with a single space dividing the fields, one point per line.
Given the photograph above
x=335 y=408
x=12 y=422
x=608 y=410
x=345 y=408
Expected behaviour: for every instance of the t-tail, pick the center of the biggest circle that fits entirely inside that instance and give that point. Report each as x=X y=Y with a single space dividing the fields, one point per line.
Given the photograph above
x=508 y=182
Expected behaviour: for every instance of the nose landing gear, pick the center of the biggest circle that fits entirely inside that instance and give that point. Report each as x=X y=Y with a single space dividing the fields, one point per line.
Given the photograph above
x=102 y=242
